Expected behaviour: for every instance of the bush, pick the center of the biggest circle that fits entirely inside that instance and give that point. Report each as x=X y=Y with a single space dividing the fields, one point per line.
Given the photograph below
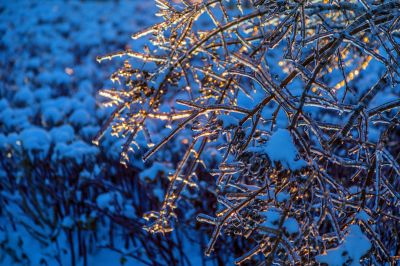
x=291 y=105
x=64 y=201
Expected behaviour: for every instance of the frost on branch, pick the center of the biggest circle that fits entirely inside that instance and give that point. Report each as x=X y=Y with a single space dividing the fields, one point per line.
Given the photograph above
x=291 y=105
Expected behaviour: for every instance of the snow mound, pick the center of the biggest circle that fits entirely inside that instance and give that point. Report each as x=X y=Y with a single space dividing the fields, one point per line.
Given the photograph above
x=272 y=219
x=108 y=200
x=78 y=151
x=354 y=246
x=280 y=148
x=154 y=170
x=36 y=141
x=64 y=133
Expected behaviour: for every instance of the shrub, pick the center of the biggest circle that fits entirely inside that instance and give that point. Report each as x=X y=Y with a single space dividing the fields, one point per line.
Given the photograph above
x=291 y=105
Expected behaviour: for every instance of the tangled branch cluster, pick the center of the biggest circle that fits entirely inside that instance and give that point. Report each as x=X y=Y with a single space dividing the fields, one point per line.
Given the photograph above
x=294 y=106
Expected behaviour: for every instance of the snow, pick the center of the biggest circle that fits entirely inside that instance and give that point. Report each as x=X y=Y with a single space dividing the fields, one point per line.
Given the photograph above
x=23 y=97
x=17 y=118
x=89 y=132
x=64 y=133
x=129 y=211
x=79 y=118
x=159 y=193
x=67 y=222
x=353 y=248
x=51 y=116
x=62 y=104
x=291 y=225
x=363 y=216
x=3 y=104
x=272 y=219
x=153 y=171
x=77 y=151
x=36 y=141
x=3 y=141
x=13 y=140
x=282 y=196
x=280 y=148
x=108 y=200
x=228 y=121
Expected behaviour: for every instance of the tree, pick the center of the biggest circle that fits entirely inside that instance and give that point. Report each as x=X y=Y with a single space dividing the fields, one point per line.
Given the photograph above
x=291 y=105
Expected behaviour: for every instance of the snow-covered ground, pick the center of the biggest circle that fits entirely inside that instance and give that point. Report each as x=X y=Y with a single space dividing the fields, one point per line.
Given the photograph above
x=49 y=75
x=49 y=113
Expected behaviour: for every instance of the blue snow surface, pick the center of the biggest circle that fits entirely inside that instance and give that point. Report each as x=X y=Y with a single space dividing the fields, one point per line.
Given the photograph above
x=49 y=104
x=50 y=77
